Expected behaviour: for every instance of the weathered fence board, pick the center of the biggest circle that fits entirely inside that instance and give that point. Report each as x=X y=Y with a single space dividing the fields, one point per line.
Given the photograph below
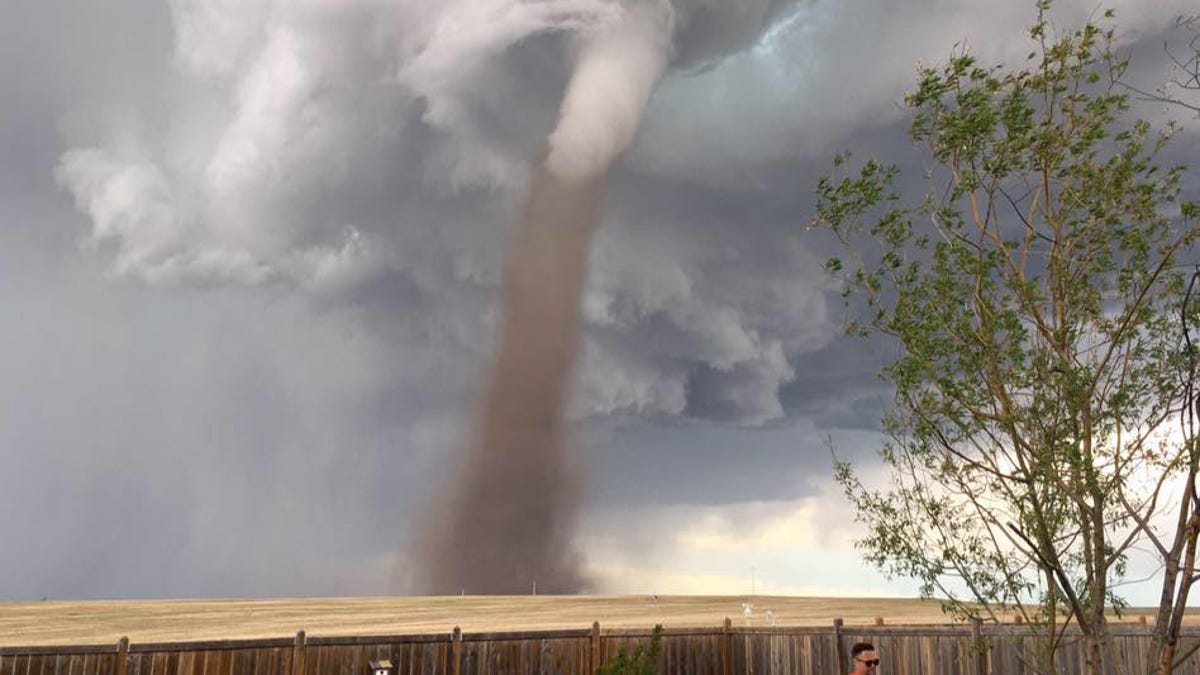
x=923 y=650
x=44 y=662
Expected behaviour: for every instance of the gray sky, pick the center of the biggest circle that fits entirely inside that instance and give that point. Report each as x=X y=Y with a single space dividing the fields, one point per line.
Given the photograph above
x=250 y=260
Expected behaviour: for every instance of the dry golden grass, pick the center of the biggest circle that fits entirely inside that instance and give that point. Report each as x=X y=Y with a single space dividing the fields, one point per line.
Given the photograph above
x=104 y=622
x=95 y=622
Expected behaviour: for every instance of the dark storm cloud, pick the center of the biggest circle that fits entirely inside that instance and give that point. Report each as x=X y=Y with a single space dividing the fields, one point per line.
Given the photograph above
x=326 y=168
x=838 y=387
x=706 y=464
x=236 y=368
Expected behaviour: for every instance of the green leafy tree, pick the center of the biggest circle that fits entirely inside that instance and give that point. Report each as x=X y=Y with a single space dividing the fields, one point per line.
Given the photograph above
x=642 y=661
x=1038 y=301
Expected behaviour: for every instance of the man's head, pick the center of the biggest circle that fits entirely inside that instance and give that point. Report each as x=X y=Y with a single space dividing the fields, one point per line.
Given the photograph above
x=863 y=658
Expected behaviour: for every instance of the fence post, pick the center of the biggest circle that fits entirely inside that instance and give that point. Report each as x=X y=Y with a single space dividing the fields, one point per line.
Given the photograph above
x=594 y=652
x=298 y=653
x=837 y=644
x=727 y=648
x=978 y=645
x=456 y=651
x=121 y=667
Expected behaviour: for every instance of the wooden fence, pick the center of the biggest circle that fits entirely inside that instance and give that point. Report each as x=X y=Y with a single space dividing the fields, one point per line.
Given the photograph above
x=727 y=650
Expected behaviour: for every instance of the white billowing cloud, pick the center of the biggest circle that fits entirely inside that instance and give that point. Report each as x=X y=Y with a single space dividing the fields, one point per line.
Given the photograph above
x=665 y=297
x=225 y=198
x=213 y=36
x=129 y=203
x=637 y=384
x=308 y=100
x=373 y=153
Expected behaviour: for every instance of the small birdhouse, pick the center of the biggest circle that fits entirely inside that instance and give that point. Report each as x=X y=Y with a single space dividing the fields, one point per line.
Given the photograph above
x=381 y=667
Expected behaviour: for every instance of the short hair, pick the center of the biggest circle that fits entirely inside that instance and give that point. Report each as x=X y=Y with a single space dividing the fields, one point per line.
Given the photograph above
x=860 y=647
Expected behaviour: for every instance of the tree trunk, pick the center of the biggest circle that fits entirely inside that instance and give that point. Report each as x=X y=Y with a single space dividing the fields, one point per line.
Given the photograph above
x=1168 y=657
x=1052 y=623
x=1095 y=665
x=1188 y=570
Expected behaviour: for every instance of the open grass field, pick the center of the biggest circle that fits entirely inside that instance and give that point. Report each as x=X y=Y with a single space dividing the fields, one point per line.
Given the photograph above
x=143 y=621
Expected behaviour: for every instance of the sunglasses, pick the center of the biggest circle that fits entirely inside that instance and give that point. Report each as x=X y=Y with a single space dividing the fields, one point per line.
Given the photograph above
x=868 y=662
